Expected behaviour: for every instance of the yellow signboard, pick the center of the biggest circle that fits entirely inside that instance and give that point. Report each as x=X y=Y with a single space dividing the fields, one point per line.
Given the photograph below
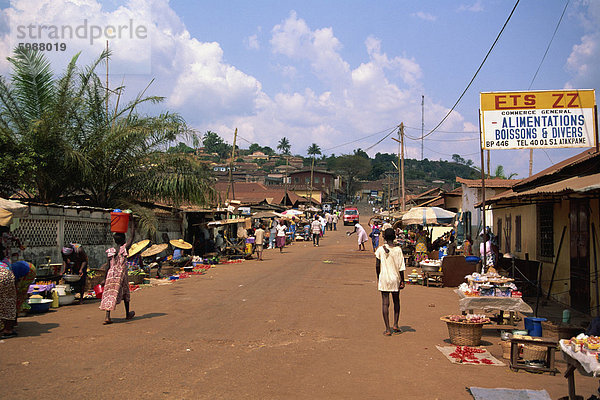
x=538 y=119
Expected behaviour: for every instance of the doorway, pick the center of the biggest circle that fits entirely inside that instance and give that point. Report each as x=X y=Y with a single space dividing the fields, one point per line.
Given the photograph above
x=580 y=254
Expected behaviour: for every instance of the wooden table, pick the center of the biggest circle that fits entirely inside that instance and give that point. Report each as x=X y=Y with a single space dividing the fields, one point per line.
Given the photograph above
x=576 y=361
x=550 y=345
x=436 y=279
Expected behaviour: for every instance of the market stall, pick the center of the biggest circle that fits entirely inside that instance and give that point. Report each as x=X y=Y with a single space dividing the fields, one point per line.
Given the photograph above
x=491 y=292
x=582 y=354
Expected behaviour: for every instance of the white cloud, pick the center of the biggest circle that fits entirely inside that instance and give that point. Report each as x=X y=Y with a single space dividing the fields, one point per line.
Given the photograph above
x=252 y=42
x=475 y=7
x=211 y=94
x=585 y=56
x=424 y=16
x=294 y=39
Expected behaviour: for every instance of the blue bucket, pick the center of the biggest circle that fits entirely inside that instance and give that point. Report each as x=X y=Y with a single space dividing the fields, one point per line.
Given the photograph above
x=534 y=326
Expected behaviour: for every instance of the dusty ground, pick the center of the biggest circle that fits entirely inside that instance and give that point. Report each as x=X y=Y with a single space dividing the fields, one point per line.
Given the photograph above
x=292 y=326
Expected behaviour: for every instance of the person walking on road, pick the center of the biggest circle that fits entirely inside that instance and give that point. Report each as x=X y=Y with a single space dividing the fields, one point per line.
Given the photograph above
x=389 y=266
x=315 y=228
x=375 y=236
x=272 y=234
x=259 y=238
x=335 y=218
x=117 y=283
x=280 y=236
x=362 y=236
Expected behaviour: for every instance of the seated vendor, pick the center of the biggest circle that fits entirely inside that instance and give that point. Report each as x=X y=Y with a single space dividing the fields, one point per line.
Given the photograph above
x=75 y=261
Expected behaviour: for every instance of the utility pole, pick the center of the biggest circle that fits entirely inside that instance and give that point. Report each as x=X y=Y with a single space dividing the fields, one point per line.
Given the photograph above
x=530 y=161
x=231 y=169
x=287 y=164
x=401 y=133
x=489 y=174
x=400 y=141
x=422 y=123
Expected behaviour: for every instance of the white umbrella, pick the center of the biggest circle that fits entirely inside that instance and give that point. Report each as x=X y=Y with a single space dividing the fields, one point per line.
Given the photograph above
x=291 y=213
x=11 y=209
x=427 y=216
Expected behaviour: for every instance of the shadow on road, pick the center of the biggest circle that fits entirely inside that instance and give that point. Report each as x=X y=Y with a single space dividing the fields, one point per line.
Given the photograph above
x=405 y=328
x=34 y=328
x=149 y=315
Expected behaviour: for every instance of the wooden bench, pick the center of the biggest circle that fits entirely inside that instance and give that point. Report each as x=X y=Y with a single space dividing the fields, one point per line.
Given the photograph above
x=433 y=279
x=550 y=345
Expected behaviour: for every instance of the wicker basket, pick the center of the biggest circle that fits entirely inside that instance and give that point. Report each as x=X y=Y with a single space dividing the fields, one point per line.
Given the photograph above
x=560 y=331
x=464 y=333
x=532 y=352
x=506 y=347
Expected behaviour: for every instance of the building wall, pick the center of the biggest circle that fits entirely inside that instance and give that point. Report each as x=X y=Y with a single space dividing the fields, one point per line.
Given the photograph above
x=453 y=202
x=530 y=246
x=47 y=228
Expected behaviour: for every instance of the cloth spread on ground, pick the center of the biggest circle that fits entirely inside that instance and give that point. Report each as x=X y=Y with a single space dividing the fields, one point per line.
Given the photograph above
x=463 y=355
x=503 y=394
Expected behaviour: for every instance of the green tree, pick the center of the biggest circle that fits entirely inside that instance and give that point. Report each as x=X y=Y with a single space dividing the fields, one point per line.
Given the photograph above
x=38 y=115
x=213 y=143
x=254 y=147
x=352 y=167
x=284 y=146
x=181 y=148
x=499 y=173
x=82 y=140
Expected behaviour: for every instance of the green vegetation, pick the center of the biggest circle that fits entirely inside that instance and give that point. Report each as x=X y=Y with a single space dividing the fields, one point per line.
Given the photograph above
x=70 y=140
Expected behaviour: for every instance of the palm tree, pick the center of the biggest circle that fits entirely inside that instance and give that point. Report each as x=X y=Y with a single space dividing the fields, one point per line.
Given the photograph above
x=37 y=112
x=284 y=146
x=79 y=146
x=499 y=173
x=313 y=150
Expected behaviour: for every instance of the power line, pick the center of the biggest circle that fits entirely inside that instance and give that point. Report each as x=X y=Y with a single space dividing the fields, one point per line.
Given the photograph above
x=410 y=127
x=359 y=139
x=444 y=140
x=450 y=155
x=381 y=140
x=476 y=72
x=549 y=44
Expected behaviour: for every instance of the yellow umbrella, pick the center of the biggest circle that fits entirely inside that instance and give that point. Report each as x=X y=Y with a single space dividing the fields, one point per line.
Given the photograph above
x=180 y=243
x=154 y=250
x=137 y=247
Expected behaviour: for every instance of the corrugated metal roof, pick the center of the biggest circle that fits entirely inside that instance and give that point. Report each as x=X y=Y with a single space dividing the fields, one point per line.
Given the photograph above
x=491 y=183
x=576 y=184
x=556 y=168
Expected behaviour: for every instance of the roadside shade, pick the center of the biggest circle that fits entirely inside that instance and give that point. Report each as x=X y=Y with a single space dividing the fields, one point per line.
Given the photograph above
x=11 y=209
x=428 y=216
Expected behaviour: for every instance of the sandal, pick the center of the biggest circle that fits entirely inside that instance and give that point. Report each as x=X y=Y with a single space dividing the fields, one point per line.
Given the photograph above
x=387 y=333
x=396 y=330
x=9 y=335
x=130 y=315
x=107 y=322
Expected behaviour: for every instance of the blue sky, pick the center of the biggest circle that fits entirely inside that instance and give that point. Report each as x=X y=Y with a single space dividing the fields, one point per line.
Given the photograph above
x=331 y=72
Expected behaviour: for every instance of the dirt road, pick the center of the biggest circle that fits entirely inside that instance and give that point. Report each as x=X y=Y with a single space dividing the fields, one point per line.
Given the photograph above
x=293 y=326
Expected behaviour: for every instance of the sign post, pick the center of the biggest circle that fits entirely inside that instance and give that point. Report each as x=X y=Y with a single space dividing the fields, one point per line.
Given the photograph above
x=549 y=119
x=545 y=119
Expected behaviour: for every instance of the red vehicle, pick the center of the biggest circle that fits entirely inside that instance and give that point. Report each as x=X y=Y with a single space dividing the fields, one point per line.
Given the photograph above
x=350 y=216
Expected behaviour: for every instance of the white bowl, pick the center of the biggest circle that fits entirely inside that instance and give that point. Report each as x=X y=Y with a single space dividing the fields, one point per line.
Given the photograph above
x=71 y=278
x=66 y=299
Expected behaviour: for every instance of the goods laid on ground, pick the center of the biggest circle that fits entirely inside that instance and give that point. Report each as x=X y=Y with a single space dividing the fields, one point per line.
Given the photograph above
x=465 y=330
